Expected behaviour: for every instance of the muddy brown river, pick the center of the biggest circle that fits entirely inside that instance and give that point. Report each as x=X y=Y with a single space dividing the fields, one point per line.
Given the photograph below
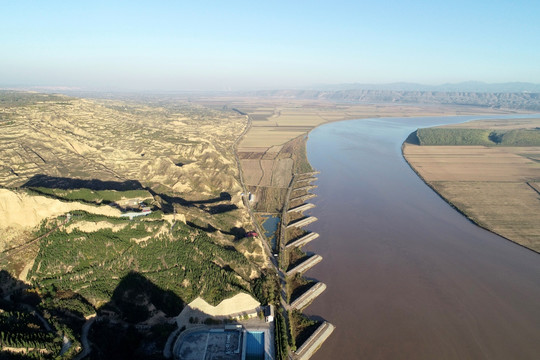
x=408 y=276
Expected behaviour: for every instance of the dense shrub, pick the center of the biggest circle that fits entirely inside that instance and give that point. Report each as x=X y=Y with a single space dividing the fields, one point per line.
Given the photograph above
x=449 y=136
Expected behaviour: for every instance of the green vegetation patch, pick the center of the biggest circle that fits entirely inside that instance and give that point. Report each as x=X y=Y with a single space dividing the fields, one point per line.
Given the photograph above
x=296 y=257
x=297 y=285
x=281 y=338
x=18 y=99
x=187 y=261
x=267 y=288
x=301 y=328
x=443 y=136
x=22 y=330
x=486 y=137
x=521 y=137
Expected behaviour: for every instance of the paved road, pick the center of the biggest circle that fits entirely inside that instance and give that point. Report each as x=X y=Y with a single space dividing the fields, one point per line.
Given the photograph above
x=34 y=312
x=84 y=338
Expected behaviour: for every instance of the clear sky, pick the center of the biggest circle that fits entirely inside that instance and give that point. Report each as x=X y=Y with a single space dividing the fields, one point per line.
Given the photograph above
x=218 y=45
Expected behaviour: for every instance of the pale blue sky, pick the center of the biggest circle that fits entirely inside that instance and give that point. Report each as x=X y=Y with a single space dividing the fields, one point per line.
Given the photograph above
x=217 y=45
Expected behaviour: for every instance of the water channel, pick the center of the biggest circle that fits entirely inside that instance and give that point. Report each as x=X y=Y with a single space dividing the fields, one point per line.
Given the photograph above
x=270 y=225
x=409 y=277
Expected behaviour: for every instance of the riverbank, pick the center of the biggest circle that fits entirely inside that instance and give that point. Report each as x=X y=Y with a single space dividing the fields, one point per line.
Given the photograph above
x=407 y=275
x=261 y=166
x=492 y=186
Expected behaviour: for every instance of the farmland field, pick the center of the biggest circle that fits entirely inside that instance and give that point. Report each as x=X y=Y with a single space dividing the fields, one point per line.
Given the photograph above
x=495 y=186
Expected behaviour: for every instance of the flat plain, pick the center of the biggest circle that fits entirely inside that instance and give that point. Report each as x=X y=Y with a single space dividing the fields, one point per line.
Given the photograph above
x=495 y=186
x=278 y=128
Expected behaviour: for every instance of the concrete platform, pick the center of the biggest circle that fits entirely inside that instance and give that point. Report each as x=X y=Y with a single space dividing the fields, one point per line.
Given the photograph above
x=314 y=342
x=307 y=187
x=302 y=222
x=308 y=173
x=303 y=197
x=305 y=265
x=303 y=240
x=307 y=180
x=301 y=208
x=308 y=296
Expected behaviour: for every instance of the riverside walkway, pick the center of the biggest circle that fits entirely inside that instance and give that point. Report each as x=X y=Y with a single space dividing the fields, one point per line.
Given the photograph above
x=305 y=265
x=307 y=297
x=302 y=222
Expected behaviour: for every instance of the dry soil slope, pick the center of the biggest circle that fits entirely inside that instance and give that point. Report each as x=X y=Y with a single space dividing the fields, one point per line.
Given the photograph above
x=186 y=148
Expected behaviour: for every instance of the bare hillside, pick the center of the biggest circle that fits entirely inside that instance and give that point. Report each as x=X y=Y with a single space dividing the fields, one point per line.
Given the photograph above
x=186 y=148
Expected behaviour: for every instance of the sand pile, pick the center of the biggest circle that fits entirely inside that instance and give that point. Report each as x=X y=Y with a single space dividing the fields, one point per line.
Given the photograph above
x=239 y=303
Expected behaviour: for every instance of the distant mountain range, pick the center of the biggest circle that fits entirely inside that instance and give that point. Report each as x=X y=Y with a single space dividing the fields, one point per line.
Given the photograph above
x=518 y=96
x=468 y=86
x=512 y=95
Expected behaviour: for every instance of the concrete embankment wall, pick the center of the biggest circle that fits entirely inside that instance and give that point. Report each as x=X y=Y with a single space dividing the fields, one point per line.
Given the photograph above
x=306 y=180
x=312 y=344
x=306 y=188
x=303 y=197
x=301 y=208
x=308 y=296
x=303 y=240
x=302 y=222
x=305 y=265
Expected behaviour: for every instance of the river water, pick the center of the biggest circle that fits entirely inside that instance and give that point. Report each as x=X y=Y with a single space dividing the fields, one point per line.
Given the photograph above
x=408 y=276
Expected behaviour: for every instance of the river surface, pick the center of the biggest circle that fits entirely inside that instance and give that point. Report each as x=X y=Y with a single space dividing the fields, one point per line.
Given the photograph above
x=408 y=276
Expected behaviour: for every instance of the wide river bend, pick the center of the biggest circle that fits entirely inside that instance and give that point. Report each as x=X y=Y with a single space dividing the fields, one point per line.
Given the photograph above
x=408 y=276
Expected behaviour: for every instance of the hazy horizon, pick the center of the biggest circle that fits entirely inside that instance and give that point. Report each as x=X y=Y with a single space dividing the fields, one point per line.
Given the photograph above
x=207 y=46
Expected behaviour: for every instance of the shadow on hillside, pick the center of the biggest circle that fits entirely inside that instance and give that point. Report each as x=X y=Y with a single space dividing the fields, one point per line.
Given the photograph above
x=12 y=289
x=217 y=205
x=237 y=232
x=168 y=202
x=208 y=228
x=136 y=299
x=124 y=329
x=55 y=182
x=121 y=330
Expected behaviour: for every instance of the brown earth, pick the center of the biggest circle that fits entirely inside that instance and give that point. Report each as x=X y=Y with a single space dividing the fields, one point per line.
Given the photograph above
x=496 y=187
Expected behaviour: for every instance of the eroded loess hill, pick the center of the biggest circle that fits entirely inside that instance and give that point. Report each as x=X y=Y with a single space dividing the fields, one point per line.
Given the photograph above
x=186 y=148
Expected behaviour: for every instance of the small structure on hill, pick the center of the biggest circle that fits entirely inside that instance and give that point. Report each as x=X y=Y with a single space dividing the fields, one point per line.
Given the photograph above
x=269 y=313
